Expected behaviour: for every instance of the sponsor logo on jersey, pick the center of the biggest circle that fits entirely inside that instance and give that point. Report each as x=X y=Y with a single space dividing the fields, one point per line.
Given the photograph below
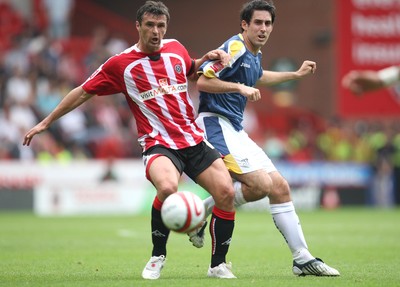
x=163 y=90
x=245 y=65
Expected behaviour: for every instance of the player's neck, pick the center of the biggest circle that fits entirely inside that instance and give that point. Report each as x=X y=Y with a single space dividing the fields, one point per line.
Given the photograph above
x=249 y=45
x=148 y=49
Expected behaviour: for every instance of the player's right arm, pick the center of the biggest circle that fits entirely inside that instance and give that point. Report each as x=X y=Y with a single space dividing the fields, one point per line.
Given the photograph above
x=72 y=100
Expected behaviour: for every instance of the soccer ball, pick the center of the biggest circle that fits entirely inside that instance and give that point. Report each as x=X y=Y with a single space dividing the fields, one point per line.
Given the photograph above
x=183 y=211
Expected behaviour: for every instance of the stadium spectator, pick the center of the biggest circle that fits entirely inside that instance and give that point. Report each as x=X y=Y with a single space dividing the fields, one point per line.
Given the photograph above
x=48 y=95
x=58 y=13
x=10 y=134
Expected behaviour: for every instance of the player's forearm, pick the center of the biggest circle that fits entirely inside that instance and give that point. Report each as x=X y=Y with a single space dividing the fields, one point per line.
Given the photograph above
x=216 y=86
x=71 y=101
x=270 y=78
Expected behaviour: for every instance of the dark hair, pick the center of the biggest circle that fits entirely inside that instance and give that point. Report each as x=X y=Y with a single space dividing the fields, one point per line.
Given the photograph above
x=152 y=7
x=249 y=8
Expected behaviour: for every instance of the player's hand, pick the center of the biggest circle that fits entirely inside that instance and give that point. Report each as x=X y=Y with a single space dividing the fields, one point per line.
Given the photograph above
x=221 y=55
x=308 y=67
x=252 y=94
x=35 y=130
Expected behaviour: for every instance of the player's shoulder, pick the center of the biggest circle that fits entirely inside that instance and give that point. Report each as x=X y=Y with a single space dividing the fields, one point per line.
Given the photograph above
x=171 y=42
x=123 y=54
x=116 y=63
x=173 y=46
x=235 y=46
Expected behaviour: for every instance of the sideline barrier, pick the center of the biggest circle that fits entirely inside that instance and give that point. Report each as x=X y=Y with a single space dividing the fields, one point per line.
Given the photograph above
x=100 y=187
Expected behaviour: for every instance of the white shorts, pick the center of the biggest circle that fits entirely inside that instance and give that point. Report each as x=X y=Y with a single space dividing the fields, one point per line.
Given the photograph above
x=240 y=153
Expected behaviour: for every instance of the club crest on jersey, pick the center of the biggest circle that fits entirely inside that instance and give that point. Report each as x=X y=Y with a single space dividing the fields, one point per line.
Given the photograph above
x=178 y=68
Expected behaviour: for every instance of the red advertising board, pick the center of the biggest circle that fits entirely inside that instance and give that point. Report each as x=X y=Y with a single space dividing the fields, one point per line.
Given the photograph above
x=368 y=37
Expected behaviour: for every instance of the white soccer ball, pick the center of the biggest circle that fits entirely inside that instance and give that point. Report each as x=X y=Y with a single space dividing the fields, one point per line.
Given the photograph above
x=183 y=211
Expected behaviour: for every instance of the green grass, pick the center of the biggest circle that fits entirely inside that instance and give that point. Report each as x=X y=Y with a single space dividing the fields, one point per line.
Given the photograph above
x=363 y=244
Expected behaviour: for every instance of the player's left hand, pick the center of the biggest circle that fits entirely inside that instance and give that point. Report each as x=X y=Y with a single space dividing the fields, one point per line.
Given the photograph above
x=308 y=67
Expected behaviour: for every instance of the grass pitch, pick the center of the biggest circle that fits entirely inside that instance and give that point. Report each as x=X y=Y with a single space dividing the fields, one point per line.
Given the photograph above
x=363 y=244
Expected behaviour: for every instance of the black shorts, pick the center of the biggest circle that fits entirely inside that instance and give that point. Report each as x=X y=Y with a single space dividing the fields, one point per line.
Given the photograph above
x=192 y=160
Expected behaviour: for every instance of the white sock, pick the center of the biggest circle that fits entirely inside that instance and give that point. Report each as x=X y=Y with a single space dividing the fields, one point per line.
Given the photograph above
x=288 y=223
x=239 y=199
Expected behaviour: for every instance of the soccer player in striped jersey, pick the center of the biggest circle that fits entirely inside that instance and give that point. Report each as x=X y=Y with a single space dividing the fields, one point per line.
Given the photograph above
x=153 y=76
x=224 y=92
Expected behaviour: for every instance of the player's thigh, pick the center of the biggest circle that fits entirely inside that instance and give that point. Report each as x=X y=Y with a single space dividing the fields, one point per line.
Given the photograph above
x=241 y=154
x=164 y=176
x=255 y=185
x=246 y=156
x=253 y=178
x=217 y=181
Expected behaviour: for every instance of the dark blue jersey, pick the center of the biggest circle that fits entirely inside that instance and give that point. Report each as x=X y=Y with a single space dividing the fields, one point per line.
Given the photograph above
x=244 y=68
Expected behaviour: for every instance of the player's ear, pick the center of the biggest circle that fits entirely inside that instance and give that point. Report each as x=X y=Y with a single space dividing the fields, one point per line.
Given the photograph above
x=243 y=25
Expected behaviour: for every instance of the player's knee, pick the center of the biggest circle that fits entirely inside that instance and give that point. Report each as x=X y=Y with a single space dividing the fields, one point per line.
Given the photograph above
x=280 y=191
x=166 y=188
x=258 y=189
x=225 y=196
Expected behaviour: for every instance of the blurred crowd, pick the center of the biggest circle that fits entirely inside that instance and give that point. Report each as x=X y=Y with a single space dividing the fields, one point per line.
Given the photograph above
x=38 y=66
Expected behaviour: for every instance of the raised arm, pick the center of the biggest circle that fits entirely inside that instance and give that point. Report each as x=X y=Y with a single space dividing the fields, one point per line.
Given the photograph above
x=72 y=100
x=270 y=78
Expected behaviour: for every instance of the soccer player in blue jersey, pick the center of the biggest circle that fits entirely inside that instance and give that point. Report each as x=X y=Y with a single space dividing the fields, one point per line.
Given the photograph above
x=224 y=92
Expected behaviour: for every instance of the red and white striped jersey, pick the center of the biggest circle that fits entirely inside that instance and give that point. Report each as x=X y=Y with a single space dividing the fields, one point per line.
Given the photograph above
x=156 y=89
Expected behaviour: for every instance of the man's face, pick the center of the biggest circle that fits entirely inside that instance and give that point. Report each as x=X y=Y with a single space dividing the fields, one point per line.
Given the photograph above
x=151 y=32
x=258 y=30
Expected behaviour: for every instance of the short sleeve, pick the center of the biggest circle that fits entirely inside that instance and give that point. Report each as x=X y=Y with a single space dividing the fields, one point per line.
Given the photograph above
x=106 y=80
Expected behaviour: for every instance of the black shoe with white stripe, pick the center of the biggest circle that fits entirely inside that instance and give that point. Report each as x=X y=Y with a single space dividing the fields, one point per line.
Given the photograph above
x=315 y=267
